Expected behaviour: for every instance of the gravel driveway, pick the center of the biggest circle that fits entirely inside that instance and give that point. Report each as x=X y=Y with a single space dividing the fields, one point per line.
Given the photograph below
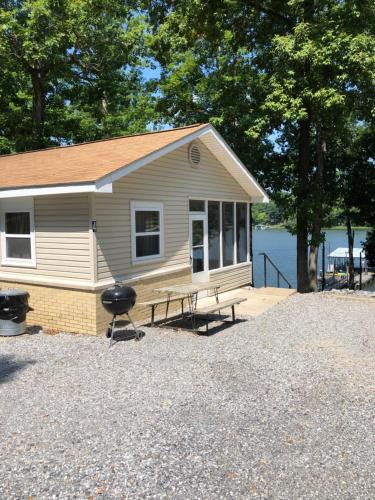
x=281 y=406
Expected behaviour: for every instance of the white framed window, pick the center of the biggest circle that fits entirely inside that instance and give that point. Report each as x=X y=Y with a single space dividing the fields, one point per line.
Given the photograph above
x=17 y=233
x=228 y=232
x=147 y=231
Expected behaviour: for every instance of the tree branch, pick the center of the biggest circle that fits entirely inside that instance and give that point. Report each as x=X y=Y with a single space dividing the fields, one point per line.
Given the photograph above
x=271 y=12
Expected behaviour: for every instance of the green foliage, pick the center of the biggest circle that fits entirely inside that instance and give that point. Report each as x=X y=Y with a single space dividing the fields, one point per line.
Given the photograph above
x=356 y=174
x=283 y=81
x=266 y=213
x=288 y=83
x=369 y=246
x=72 y=71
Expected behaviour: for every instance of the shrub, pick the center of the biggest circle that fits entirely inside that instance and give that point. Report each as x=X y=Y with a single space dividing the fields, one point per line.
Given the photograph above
x=369 y=246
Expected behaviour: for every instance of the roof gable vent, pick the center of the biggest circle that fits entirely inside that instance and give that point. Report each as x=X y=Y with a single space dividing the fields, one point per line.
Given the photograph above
x=194 y=154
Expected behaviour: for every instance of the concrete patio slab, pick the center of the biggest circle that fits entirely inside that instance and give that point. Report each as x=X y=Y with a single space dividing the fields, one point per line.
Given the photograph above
x=259 y=300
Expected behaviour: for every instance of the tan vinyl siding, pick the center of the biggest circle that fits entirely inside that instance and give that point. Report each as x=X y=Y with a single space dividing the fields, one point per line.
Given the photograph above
x=232 y=277
x=61 y=239
x=170 y=180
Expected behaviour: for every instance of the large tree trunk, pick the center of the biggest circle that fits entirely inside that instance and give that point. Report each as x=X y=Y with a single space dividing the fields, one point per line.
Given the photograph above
x=350 y=234
x=302 y=221
x=37 y=80
x=317 y=216
x=313 y=260
x=303 y=168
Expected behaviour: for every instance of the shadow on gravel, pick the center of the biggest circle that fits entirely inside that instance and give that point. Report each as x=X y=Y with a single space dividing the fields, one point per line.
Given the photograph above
x=124 y=335
x=9 y=366
x=216 y=324
x=219 y=327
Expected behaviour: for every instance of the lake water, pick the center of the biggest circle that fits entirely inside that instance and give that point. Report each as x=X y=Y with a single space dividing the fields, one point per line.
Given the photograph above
x=281 y=248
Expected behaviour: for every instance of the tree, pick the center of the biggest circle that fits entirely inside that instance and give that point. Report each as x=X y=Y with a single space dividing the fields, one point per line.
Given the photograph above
x=369 y=246
x=15 y=101
x=34 y=35
x=266 y=213
x=106 y=93
x=76 y=70
x=356 y=181
x=278 y=79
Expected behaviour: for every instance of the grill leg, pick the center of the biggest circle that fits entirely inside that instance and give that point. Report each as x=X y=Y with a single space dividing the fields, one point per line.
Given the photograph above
x=196 y=300
x=112 y=330
x=167 y=308
x=137 y=332
x=233 y=315
x=152 y=315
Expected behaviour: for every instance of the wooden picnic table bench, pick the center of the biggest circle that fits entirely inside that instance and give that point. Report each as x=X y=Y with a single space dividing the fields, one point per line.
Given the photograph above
x=190 y=290
x=164 y=300
x=218 y=306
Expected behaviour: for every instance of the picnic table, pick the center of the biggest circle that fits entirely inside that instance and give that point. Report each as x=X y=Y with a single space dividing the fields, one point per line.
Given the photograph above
x=179 y=293
x=189 y=292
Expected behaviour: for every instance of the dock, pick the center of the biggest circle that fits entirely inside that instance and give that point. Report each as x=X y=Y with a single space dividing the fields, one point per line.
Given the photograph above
x=339 y=282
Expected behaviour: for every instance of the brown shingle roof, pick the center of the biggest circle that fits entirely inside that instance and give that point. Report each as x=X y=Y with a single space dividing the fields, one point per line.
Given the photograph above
x=83 y=163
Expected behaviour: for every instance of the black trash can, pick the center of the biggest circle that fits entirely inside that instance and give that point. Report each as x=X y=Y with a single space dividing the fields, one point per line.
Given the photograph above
x=14 y=305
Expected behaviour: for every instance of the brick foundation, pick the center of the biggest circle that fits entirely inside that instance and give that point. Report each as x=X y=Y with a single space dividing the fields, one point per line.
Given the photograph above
x=145 y=289
x=81 y=311
x=61 y=309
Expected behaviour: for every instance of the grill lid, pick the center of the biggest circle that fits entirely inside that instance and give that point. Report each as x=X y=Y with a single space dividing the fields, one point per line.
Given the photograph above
x=118 y=292
x=119 y=299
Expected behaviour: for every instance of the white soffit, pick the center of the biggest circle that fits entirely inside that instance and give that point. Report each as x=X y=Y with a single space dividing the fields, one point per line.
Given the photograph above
x=54 y=190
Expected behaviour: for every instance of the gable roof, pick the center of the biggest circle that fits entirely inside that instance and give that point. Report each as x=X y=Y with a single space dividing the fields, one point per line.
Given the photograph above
x=94 y=166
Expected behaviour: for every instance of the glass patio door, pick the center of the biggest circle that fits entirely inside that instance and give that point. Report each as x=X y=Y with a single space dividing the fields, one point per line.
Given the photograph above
x=198 y=247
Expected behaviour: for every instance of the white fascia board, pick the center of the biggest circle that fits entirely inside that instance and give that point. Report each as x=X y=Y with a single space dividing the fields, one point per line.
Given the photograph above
x=260 y=199
x=132 y=167
x=52 y=190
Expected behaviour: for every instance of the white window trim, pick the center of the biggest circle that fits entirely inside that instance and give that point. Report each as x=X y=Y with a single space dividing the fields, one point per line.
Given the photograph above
x=221 y=238
x=247 y=233
x=235 y=264
x=136 y=206
x=219 y=270
x=248 y=230
x=235 y=233
x=11 y=207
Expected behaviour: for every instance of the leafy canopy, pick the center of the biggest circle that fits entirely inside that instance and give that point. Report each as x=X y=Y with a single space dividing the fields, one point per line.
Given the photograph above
x=72 y=71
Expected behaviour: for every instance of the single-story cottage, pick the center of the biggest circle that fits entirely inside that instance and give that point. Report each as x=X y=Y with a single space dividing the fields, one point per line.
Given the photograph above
x=149 y=209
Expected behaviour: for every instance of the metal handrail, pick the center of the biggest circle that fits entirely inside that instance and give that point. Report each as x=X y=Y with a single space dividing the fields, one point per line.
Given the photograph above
x=279 y=273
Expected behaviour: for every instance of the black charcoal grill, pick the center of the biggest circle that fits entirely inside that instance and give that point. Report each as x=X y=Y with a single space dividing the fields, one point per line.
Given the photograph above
x=118 y=300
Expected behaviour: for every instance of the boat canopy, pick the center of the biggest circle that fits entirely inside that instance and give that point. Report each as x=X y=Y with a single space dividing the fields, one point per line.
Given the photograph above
x=343 y=253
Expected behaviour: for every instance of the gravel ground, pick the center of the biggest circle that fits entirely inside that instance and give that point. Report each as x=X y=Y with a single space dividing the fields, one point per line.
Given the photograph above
x=281 y=406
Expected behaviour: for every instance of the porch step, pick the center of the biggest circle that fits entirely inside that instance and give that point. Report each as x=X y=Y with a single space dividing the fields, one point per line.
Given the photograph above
x=277 y=292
